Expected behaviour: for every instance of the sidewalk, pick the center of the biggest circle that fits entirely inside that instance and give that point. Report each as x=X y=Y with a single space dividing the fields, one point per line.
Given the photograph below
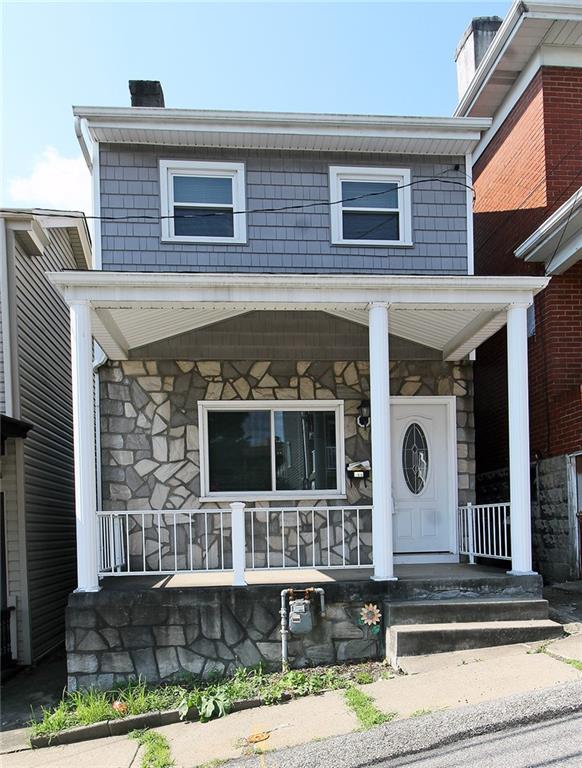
x=433 y=684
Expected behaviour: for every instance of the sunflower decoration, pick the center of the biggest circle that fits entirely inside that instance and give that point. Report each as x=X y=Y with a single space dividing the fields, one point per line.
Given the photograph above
x=370 y=617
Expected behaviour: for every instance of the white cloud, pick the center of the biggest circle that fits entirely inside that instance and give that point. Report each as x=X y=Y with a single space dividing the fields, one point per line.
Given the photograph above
x=55 y=182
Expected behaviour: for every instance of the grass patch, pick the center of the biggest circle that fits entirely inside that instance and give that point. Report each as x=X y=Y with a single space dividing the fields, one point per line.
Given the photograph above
x=364 y=677
x=212 y=698
x=366 y=711
x=157 y=752
x=421 y=712
x=574 y=663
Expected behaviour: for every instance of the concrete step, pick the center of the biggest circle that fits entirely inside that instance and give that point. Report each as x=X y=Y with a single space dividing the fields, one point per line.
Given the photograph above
x=419 y=639
x=443 y=611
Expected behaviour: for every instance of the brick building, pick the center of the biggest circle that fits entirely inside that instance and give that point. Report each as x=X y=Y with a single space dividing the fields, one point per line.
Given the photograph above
x=527 y=174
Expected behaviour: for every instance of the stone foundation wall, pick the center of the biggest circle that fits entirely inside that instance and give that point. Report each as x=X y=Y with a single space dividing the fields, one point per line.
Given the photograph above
x=162 y=634
x=149 y=418
x=554 y=527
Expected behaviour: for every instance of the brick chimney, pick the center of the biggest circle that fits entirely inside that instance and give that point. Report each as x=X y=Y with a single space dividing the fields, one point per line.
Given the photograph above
x=472 y=47
x=146 y=93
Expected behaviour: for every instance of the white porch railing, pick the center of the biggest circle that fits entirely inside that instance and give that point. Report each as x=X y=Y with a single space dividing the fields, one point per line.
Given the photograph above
x=308 y=537
x=484 y=531
x=150 y=542
x=164 y=542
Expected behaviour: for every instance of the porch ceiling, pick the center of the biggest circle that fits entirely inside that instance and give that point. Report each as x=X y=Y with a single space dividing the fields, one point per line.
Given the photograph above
x=452 y=314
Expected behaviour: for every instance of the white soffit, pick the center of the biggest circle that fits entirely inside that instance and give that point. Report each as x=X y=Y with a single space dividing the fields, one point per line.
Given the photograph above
x=524 y=30
x=137 y=327
x=455 y=331
x=282 y=131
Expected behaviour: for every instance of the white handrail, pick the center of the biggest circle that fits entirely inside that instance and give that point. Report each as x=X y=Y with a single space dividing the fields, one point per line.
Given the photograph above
x=484 y=531
x=317 y=537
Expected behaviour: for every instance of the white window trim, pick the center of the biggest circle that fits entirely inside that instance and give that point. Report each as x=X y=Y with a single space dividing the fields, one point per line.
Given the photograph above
x=400 y=176
x=337 y=406
x=234 y=171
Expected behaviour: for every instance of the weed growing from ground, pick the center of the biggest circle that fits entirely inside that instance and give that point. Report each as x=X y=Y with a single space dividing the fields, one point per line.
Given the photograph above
x=157 y=752
x=366 y=711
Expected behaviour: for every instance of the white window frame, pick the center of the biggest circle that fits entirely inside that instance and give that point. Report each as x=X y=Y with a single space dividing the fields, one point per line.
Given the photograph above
x=234 y=171
x=336 y=406
x=400 y=176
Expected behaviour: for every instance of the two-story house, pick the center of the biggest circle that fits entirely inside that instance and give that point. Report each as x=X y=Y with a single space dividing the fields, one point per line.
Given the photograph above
x=37 y=499
x=526 y=75
x=288 y=308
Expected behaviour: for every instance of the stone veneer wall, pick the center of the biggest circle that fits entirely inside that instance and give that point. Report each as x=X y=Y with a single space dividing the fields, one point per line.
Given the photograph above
x=149 y=418
x=160 y=634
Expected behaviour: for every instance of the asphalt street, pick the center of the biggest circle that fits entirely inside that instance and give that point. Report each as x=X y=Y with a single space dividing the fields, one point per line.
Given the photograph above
x=528 y=730
x=554 y=743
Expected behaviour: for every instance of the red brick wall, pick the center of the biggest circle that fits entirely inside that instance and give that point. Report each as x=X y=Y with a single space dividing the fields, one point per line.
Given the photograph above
x=532 y=166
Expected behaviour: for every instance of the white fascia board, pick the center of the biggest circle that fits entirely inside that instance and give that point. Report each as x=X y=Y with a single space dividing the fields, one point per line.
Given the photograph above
x=113 y=289
x=516 y=16
x=136 y=120
x=567 y=214
x=545 y=56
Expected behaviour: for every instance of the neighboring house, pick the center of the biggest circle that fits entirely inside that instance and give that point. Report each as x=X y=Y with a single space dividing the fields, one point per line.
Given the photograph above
x=280 y=296
x=527 y=172
x=37 y=477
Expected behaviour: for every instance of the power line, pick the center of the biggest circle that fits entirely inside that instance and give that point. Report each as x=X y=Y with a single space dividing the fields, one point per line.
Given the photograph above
x=273 y=209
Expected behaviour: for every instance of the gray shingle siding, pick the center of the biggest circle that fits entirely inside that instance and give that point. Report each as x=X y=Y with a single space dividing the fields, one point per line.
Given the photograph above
x=291 y=241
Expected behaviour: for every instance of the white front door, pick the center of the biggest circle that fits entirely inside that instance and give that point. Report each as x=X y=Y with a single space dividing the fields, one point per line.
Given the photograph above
x=421 y=475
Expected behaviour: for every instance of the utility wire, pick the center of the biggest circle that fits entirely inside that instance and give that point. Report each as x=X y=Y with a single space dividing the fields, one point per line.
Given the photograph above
x=273 y=209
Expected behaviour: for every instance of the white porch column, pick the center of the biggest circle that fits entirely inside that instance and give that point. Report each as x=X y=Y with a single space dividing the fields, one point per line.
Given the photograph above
x=381 y=457
x=84 y=447
x=519 y=470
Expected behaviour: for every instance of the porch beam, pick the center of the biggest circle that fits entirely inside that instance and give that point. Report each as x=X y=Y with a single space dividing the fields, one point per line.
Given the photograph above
x=382 y=539
x=107 y=289
x=118 y=347
x=458 y=346
x=519 y=458
x=84 y=447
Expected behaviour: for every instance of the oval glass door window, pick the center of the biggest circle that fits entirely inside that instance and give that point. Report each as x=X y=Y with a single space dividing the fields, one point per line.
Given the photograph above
x=415 y=458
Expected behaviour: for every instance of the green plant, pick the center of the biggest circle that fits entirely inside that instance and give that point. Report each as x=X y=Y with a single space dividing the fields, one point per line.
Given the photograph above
x=420 y=712
x=574 y=663
x=364 y=677
x=366 y=711
x=157 y=752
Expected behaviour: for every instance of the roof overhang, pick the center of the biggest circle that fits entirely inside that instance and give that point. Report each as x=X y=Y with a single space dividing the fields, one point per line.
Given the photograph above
x=558 y=241
x=278 y=130
x=10 y=427
x=33 y=227
x=454 y=314
x=526 y=27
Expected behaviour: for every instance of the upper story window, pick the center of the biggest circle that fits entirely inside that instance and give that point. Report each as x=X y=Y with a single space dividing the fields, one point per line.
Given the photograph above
x=199 y=201
x=376 y=207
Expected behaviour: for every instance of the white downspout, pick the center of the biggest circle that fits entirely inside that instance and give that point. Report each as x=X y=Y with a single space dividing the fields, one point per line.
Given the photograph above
x=10 y=407
x=99 y=359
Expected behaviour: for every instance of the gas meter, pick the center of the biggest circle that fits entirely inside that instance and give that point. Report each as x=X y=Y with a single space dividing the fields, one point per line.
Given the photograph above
x=300 y=616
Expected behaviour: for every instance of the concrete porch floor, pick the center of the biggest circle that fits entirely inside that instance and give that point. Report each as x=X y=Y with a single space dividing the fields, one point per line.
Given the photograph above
x=416 y=572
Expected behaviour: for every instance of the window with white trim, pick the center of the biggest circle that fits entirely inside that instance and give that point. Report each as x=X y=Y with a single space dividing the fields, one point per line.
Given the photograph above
x=375 y=207
x=200 y=200
x=271 y=449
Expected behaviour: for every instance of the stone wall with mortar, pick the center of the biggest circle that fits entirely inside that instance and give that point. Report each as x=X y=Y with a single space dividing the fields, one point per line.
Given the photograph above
x=162 y=634
x=149 y=418
x=123 y=632
x=554 y=527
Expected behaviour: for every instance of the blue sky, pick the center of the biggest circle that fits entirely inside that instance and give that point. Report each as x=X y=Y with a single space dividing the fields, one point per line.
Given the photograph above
x=375 y=57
